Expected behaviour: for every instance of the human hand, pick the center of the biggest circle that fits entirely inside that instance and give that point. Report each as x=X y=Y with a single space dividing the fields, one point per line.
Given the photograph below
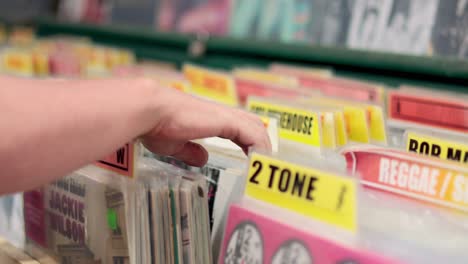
x=183 y=118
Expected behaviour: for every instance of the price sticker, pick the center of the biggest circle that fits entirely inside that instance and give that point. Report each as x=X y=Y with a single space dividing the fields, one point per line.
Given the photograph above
x=317 y=194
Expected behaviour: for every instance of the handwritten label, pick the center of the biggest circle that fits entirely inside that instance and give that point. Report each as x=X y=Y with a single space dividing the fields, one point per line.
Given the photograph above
x=430 y=111
x=122 y=161
x=407 y=175
x=437 y=147
x=295 y=124
x=316 y=194
x=211 y=84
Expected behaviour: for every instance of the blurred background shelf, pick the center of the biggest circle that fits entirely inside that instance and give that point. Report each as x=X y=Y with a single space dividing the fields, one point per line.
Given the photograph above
x=226 y=53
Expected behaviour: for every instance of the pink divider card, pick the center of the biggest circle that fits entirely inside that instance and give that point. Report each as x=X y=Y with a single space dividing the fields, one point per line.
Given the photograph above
x=35 y=216
x=254 y=238
x=246 y=88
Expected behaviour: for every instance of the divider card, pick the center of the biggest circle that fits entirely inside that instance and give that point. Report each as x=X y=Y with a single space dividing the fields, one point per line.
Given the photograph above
x=317 y=194
x=339 y=87
x=437 y=146
x=17 y=62
x=434 y=111
x=411 y=176
x=295 y=124
x=265 y=76
x=211 y=84
x=250 y=87
x=356 y=120
x=271 y=124
x=122 y=161
x=374 y=117
x=301 y=73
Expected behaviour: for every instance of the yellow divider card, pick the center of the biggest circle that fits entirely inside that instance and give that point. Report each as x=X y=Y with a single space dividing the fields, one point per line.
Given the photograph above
x=364 y=122
x=210 y=84
x=437 y=147
x=18 y=62
x=298 y=125
x=341 y=132
x=314 y=193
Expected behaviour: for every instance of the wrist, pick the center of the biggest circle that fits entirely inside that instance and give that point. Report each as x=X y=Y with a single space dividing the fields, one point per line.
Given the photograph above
x=150 y=100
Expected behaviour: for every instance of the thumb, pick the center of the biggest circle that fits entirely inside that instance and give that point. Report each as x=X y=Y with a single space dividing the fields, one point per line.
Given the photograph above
x=193 y=154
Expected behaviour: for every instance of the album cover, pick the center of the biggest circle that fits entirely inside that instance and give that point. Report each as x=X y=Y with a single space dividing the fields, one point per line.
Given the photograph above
x=77 y=220
x=450 y=33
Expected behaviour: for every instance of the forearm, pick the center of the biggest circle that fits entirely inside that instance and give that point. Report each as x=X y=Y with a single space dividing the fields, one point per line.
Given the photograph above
x=50 y=128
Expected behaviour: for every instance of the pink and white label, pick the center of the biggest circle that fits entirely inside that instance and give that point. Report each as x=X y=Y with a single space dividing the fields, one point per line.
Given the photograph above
x=253 y=238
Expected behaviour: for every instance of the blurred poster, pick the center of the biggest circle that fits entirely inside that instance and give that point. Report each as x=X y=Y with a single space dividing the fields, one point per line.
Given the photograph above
x=91 y=11
x=245 y=15
x=450 y=34
x=330 y=21
x=369 y=19
x=282 y=20
x=409 y=27
x=133 y=12
x=189 y=16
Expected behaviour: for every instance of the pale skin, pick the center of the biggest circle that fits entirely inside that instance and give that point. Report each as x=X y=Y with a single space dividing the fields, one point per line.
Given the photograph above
x=52 y=127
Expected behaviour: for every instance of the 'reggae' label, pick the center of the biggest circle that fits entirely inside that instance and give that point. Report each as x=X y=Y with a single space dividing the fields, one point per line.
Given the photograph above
x=408 y=175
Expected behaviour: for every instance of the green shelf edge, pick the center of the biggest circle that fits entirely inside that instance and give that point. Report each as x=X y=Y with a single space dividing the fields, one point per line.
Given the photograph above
x=225 y=52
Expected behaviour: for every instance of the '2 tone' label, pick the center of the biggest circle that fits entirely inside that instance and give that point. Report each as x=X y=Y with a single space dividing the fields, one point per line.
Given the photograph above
x=316 y=194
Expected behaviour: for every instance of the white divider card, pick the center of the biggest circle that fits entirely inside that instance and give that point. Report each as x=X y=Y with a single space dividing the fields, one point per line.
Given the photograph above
x=314 y=193
x=271 y=125
x=122 y=161
x=410 y=175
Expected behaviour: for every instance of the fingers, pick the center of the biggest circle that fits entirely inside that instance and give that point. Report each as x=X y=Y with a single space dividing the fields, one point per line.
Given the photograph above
x=192 y=154
x=246 y=130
